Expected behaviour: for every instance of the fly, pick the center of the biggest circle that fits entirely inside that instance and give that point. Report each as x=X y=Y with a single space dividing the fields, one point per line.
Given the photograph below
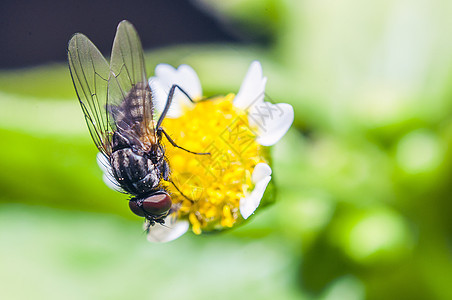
x=116 y=101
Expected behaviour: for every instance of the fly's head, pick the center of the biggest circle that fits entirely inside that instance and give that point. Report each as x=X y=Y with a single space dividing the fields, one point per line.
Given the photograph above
x=154 y=207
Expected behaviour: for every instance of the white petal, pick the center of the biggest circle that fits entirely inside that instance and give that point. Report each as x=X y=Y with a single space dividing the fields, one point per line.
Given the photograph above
x=103 y=163
x=271 y=120
x=249 y=204
x=108 y=177
x=184 y=76
x=111 y=182
x=261 y=170
x=252 y=90
x=171 y=230
x=261 y=177
x=166 y=76
x=159 y=94
x=189 y=81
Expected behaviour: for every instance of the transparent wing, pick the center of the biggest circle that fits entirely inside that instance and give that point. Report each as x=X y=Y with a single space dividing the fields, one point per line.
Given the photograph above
x=129 y=94
x=90 y=72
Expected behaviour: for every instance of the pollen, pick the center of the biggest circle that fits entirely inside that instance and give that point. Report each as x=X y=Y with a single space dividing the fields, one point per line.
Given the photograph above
x=210 y=186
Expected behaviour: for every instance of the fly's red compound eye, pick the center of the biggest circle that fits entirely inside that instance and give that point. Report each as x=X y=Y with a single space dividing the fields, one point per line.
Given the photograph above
x=136 y=208
x=157 y=204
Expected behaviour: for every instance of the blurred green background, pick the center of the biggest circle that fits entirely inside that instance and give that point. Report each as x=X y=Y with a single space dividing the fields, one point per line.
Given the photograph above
x=364 y=195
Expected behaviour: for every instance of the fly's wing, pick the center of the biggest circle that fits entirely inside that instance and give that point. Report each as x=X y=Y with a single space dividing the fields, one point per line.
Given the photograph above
x=89 y=72
x=129 y=94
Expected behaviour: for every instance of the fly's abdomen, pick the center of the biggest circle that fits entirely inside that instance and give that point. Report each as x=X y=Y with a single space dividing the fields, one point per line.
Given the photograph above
x=135 y=173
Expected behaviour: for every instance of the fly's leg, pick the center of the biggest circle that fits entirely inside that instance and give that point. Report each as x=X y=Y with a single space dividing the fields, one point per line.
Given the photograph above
x=183 y=195
x=160 y=130
x=169 y=100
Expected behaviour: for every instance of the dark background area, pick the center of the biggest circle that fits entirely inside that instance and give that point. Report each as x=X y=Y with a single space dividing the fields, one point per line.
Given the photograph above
x=37 y=32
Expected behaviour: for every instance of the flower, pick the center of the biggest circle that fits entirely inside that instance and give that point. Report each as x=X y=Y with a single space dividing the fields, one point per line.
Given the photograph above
x=217 y=191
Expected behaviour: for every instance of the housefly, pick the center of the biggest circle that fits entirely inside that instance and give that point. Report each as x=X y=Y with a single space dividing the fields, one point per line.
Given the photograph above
x=116 y=101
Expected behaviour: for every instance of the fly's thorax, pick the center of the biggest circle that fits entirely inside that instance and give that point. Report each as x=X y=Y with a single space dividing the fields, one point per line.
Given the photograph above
x=157 y=156
x=135 y=173
x=156 y=153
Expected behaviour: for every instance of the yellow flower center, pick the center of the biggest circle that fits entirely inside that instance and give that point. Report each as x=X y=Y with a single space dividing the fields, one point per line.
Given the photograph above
x=214 y=183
